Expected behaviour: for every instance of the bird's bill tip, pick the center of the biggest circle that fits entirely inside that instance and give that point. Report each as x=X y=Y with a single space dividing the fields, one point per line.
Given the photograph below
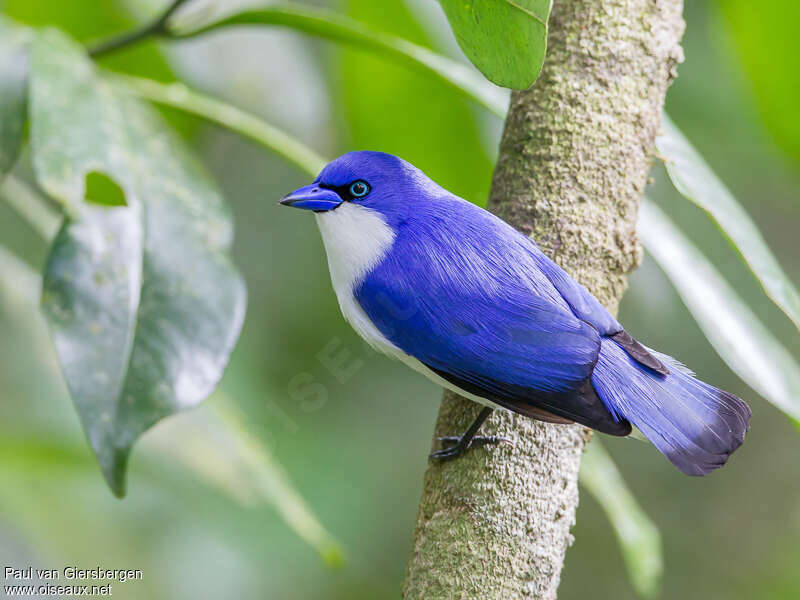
x=312 y=197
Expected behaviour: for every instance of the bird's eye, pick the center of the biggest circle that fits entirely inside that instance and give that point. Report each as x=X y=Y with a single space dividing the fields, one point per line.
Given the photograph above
x=359 y=189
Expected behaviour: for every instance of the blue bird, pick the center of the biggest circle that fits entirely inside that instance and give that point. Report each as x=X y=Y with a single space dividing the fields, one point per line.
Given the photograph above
x=462 y=297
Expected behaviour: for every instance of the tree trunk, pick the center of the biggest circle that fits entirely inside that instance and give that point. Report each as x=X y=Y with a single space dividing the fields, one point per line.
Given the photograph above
x=574 y=159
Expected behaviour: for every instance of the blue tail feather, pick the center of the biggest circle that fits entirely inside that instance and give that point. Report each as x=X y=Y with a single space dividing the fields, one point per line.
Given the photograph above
x=696 y=426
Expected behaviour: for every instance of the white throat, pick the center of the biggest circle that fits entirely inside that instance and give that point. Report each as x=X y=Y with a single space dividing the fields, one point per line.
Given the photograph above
x=356 y=240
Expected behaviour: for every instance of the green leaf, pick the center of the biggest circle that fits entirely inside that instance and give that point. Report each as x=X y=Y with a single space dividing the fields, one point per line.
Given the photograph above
x=142 y=300
x=335 y=27
x=638 y=536
x=215 y=444
x=505 y=39
x=737 y=335
x=766 y=45
x=694 y=179
x=13 y=91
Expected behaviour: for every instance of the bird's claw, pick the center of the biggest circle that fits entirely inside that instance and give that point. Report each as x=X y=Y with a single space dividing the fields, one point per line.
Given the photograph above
x=458 y=447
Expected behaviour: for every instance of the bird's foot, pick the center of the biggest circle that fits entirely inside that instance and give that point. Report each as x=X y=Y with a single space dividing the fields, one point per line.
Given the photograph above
x=459 y=446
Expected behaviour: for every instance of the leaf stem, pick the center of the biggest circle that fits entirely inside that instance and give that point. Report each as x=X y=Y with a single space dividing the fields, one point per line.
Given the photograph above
x=338 y=28
x=334 y=27
x=29 y=205
x=269 y=481
x=156 y=28
x=235 y=119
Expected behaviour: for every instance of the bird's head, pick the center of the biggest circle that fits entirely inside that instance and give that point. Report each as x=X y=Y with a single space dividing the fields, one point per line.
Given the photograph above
x=375 y=180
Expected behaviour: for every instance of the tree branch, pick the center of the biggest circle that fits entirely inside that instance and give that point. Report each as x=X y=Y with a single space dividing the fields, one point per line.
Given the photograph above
x=574 y=158
x=156 y=28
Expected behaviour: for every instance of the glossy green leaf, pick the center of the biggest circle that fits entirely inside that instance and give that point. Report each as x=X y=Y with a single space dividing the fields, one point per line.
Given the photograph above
x=638 y=536
x=505 y=39
x=13 y=91
x=694 y=179
x=142 y=300
x=342 y=29
x=737 y=335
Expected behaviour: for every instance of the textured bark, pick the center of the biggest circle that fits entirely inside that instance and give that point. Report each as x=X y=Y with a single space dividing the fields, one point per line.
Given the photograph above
x=573 y=163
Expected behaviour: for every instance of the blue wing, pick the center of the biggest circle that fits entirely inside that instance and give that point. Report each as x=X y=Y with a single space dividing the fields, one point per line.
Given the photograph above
x=583 y=304
x=586 y=307
x=519 y=340
x=506 y=337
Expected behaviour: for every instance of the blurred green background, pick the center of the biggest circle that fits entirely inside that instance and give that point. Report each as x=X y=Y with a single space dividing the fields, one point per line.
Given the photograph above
x=358 y=453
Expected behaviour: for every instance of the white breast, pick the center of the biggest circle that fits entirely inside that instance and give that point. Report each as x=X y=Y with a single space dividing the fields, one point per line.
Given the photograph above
x=356 y=240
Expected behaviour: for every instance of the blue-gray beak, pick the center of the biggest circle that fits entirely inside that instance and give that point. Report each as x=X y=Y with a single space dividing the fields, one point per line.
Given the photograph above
x=312 y=197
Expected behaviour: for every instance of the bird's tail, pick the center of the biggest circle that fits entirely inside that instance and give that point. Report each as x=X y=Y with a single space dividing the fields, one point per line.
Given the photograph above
x=696 y=426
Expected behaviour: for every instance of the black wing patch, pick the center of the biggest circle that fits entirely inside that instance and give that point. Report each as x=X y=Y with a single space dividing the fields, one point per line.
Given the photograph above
x=639 y=353
x=581 y=405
